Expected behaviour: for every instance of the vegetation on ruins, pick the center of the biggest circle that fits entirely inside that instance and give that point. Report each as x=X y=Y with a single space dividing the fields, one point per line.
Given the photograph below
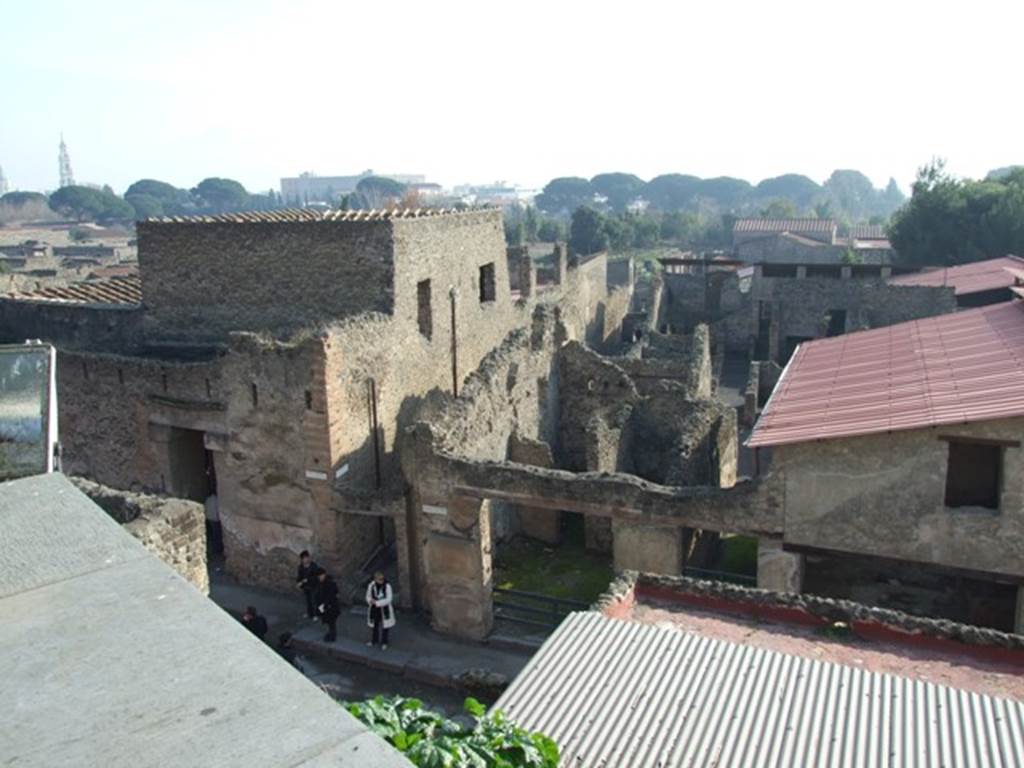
x=430 y=740
x=954 y=221
x=592 y=230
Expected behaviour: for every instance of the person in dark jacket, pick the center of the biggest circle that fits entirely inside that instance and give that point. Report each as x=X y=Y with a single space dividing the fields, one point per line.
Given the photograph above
x=306 y=580
x=327 y=605
x=287 y=650
x=254 y=622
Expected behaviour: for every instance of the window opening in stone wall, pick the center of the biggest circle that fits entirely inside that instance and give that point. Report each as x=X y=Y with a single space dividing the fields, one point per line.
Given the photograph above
x=424 y=315
x=973 y=474
x=255 y=396
x=487 y=289
x=120 y=376
x=163 y=381
x=836 y=319
x=309 y=400
x=209 y=389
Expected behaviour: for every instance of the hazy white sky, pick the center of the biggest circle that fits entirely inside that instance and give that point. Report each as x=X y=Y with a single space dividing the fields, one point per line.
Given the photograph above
x=524 y=91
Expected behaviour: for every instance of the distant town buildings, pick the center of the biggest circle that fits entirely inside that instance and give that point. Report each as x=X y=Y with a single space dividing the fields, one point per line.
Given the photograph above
x=67 y=177
x=308 y=187
x=500 y=193
x=808 y=241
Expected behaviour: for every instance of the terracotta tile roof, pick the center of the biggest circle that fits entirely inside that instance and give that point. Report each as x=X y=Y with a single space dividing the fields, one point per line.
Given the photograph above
x=950 y=369
x=292 y=215
x=116 y=290
x=868 y=232
x=976 y=277
x=799 y=226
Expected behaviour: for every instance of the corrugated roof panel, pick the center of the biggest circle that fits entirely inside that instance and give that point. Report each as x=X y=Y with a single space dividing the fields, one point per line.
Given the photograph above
x=978 y=276
x=114 y=290
x=784 y=225
x=949 y=369
x=617 y=693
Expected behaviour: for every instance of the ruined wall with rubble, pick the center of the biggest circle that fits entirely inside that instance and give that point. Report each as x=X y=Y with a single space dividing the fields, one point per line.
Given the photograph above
x=203 y=279
x=172 y=529
x=69 y=325
x=884 y=495
x=115 y=413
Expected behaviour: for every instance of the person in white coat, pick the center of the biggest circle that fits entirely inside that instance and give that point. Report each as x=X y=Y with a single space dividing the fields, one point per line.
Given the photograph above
x=380 y=614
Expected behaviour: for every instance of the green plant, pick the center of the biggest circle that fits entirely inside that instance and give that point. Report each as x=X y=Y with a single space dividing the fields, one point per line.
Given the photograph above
x=430 y=740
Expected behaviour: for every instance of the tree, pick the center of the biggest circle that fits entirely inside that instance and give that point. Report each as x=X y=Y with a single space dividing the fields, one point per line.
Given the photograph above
x=672 y=191
x=565 y=194
x=377 y=191
x=550 y=230
x=646 y=231
x=172 y=200
x=953 y=221
x=619 y=188
x=22 y=198
x=531 y=223
x=514 y=231
x=780 y=208
x=86 y=203
x=221 y=195
x=587 y=233
x=145 y=206
x=429 y=740
x=852 y=194
x=619 y=232
x=793 y=187
x=725 y=191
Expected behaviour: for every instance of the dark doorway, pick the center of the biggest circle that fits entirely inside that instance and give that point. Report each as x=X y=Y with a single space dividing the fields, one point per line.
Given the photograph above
x=792 y=342
x=762 y=348
x=836 y=322
x=193 y=477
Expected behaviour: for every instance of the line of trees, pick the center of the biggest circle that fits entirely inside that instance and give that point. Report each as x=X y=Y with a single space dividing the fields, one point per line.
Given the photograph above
x=847 y=195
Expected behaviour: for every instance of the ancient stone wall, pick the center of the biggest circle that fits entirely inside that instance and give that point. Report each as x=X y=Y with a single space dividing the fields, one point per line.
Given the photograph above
x=70 y=326
x=884 y=495
x=172 y=529
x=201 y=280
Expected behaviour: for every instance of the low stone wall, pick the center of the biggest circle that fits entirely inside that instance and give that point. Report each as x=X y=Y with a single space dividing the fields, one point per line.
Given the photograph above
x=172 y=529
x=867 y=622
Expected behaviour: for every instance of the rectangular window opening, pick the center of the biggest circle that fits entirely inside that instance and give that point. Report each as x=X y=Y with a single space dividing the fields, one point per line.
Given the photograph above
x=836 y=322
x=973 y=475
x=424 y=315
x=487 y=289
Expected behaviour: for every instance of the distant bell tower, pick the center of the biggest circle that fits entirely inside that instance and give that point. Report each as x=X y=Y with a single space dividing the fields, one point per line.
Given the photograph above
x=4 y=187
x=67 y=178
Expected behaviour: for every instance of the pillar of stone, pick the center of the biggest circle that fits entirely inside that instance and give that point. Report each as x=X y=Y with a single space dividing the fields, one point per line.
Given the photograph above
x=458 y=570
x=647 y=548
x=801 y=271
x=527 y=275
x=778 y=570
x=561 y=259
x=1018 y=619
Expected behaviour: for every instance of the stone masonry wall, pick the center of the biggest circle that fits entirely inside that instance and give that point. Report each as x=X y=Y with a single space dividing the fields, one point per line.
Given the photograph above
x=201 y=280
x=883 y=495
x=70 y=326
x=172 y=529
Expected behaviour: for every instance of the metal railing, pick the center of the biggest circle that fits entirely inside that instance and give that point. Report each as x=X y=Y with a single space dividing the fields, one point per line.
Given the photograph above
x=533 y=608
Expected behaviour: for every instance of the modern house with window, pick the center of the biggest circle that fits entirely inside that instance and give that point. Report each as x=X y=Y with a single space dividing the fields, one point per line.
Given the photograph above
x=899 y=454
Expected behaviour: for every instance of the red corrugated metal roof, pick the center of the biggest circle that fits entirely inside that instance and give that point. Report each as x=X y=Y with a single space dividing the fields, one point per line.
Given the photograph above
x=783 y=225
x=988 y=275
x=950 y=369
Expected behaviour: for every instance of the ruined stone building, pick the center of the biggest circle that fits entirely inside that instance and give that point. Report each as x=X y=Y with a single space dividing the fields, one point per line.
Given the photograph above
x=272 y=359
x=896 y=454
x=793 y=242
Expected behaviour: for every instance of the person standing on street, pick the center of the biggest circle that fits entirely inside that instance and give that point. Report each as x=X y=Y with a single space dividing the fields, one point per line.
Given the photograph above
x=327 y=604
x=254 y=622
x=306 y=580
x=380 y=614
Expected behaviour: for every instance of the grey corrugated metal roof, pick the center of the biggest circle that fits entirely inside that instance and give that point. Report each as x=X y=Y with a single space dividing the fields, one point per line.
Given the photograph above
x=621 y=694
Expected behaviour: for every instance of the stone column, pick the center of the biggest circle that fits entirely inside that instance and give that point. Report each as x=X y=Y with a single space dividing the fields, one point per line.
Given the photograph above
x=458 y=570
x=1018 y=619
x=647 y=548
x=778 y=570
x=527 y=275
x=561 y=254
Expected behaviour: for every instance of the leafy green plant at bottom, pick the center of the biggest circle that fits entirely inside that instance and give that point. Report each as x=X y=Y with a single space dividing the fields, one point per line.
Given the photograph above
x=430 y=740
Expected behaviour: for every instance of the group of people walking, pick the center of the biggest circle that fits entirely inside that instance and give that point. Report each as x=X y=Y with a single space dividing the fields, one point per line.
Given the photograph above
x=321 y=593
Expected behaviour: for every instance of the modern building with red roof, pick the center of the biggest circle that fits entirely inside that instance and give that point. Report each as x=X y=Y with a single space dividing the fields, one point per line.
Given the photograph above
x=976 y=284
x=904 y=443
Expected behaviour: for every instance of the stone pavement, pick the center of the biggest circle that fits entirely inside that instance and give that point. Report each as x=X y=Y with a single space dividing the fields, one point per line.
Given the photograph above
x=415 y=651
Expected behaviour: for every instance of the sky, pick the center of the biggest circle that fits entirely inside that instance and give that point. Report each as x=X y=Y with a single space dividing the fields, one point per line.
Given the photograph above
x=476 y=92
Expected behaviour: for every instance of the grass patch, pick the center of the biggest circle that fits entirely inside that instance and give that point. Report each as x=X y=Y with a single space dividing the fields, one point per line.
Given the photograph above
x=739 y=555
x=567 y=570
